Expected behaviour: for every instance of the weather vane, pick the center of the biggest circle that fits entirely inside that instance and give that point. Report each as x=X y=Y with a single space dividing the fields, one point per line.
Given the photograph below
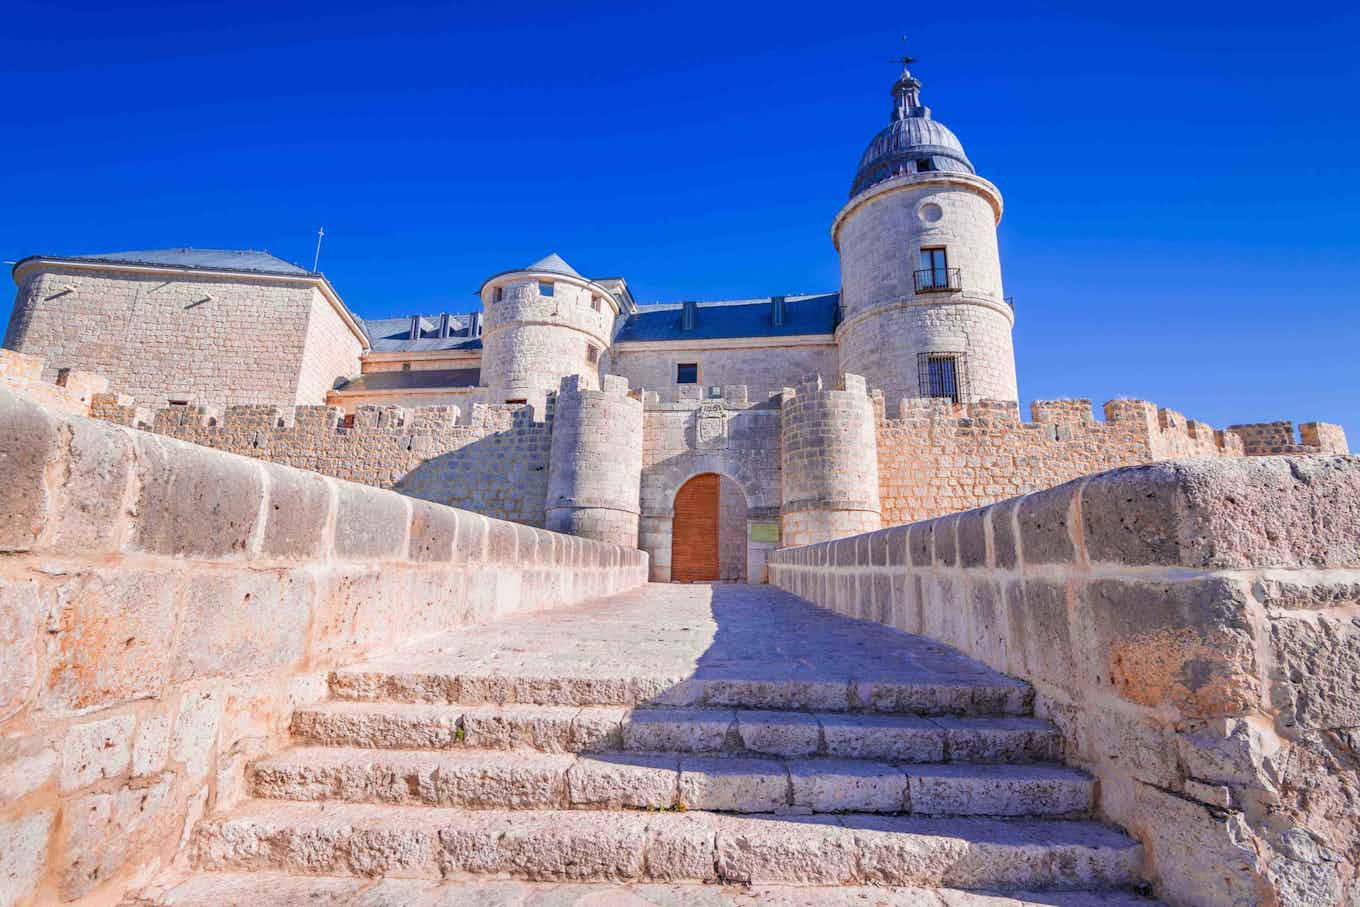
x=906 y=59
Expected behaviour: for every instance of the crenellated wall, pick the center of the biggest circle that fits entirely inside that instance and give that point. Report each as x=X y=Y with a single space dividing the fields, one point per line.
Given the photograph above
x=494 y=460
x=164 y=606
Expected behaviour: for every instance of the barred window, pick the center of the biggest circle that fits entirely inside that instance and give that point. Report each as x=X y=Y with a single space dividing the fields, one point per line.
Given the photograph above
x=943 y=375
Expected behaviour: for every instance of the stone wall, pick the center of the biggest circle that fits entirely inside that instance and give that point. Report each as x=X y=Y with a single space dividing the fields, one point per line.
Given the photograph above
x=1192 y=627
x=163 y=607
x=762 y=369
x=69 y=391
x=687 y=433
x=164 y=335
x=1262 y=439
x=936 y=457
x=493 y=461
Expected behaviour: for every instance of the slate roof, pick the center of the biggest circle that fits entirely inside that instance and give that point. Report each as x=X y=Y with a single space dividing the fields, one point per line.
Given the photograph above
x=248 y=260
x=733 y=318
x=415 y=379
x=555 y=264
x=393 y=335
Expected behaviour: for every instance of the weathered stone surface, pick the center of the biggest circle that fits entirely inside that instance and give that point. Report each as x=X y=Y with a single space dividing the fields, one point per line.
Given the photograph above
x=246 y=623
x=23 y=855
x=998 y=790
x=26 y=446
x=194 y=502
x=624 y=780
x=896 y=737
x=678 y=730
x=370 y=524
x=96 y=749
x=195 y=732
x=88 y=498
x=778 y=733
x=844 y=785
x=1317 y=660
x=734 y=784
x=19 y=616
x=296 y=515
x=109 y=637
x=101 y=831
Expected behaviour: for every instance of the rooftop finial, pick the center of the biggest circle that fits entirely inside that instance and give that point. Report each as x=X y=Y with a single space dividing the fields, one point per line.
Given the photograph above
x=907 y=91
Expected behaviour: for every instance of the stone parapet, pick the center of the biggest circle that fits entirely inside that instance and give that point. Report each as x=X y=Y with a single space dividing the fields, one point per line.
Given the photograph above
x=163 y=606
x=1191 y=627
x=1262 y=439
x=70 y=390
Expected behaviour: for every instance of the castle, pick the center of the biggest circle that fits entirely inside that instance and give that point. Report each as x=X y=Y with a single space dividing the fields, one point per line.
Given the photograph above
x=706 y=433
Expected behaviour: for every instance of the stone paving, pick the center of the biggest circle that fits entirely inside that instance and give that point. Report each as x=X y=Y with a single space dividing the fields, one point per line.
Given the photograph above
x=671 y=745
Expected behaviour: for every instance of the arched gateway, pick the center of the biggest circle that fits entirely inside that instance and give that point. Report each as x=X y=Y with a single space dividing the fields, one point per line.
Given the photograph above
x=708 y=532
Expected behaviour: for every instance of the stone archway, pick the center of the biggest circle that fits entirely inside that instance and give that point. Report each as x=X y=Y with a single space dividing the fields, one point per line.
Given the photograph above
x=708 y=531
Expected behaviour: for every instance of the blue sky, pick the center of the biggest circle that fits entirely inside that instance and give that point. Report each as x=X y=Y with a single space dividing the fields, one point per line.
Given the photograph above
x=1182 y=183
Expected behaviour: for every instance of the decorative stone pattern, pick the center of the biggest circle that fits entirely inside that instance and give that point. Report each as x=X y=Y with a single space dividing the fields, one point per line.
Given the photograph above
x=829 y=469
x=163 y=607
x=161 y=336
x=1189 y=626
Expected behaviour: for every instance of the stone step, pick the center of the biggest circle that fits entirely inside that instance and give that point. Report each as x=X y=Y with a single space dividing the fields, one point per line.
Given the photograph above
x=566 y=729
x=850 y=849
x=922 y=692
x=525 y=779
x=277 y=889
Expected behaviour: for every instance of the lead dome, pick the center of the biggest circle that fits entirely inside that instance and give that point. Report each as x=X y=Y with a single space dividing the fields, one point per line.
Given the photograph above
x=912 y=142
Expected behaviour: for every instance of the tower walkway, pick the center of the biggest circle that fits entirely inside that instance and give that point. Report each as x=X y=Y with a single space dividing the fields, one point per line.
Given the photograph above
x=675 y=744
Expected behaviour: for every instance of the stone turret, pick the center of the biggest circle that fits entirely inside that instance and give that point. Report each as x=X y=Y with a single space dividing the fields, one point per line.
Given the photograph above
x=595 y=470
x=829 y=461
x=923 y=313
x=542 y=324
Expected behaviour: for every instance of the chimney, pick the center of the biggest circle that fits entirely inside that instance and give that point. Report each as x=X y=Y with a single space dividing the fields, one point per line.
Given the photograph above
x=443 y=325
x=777 y=310
x=474 y=325
x=414 y=333
x=689 y=315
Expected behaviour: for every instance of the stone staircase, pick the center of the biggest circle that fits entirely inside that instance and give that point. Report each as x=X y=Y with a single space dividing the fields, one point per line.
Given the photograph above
x=633 y=750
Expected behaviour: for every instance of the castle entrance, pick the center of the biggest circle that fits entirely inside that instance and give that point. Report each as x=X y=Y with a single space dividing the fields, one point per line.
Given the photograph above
x=708 y=532
x=694 y=534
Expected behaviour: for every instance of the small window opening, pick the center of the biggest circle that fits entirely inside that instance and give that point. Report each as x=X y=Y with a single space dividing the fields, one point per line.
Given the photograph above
x=592 y=353
x=517 y=401
x=942 y=375
x=499 y=295
x=545 y=288
x=406 y=366
x=179 y=402
x=63 y=376
x=595 y=303
x=925 y=165
x=687 y=373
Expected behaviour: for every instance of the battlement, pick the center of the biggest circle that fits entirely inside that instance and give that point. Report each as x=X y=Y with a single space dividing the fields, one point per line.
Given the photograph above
x=67 y=390
x=1261 y=439
x=692 y=396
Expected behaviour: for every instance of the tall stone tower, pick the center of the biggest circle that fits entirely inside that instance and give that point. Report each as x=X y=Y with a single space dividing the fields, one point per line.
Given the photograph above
x=922 y=309
x=542 y=324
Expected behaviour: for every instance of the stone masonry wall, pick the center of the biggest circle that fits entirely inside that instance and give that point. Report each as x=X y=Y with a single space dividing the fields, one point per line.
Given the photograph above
x=937 y=458
x=494 y=462
x=1192 y=627
x=762 y=370
x=70 y=391
x=163 y=607
x=163 y=337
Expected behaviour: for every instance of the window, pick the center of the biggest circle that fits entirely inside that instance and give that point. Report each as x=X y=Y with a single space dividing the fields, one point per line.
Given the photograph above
x=517 y=401
x=179 y=402
x=545 y=288
x=406 y=366
x=925 y=165
x=592 y=353
x=934 y=272
x=595 y=303
x=500 y=294
x=942 y=375
x=687 y=373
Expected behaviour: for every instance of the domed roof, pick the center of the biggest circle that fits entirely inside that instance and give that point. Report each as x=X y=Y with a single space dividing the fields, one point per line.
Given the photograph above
x=912 y=142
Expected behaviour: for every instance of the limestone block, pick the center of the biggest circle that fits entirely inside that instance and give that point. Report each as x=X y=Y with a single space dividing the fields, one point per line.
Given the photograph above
x=28 y=442
x=848 y=785
x=370 y=524
x=27 y=762
x=241 y=622
x=109 y=637
x=101 y=831
x=1129 y=516
x=194 y=502
x=88 y=505
x=297 y=515
x=152 y=745
x=1191 y=848
x=727 y=784
x=1318 y=665
x=23 y=855
x=195 y=732
x=96 y=749
x=19 y=615
x=1188 y=644
x=624 y=780
x=1045 y=530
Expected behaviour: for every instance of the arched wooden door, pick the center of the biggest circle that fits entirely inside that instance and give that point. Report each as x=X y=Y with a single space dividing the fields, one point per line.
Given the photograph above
x=694 y=531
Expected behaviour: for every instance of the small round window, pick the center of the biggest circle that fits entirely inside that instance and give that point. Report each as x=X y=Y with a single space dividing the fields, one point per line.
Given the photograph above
x=930 y=213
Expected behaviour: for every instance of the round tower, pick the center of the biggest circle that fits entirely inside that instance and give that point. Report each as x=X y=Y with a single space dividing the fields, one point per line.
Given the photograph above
x=595 y=468
x=923 y=313
x=829 y=462
x=542 y=324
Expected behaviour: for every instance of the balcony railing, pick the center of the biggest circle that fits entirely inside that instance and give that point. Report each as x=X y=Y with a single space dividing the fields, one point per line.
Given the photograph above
x=937 y=280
